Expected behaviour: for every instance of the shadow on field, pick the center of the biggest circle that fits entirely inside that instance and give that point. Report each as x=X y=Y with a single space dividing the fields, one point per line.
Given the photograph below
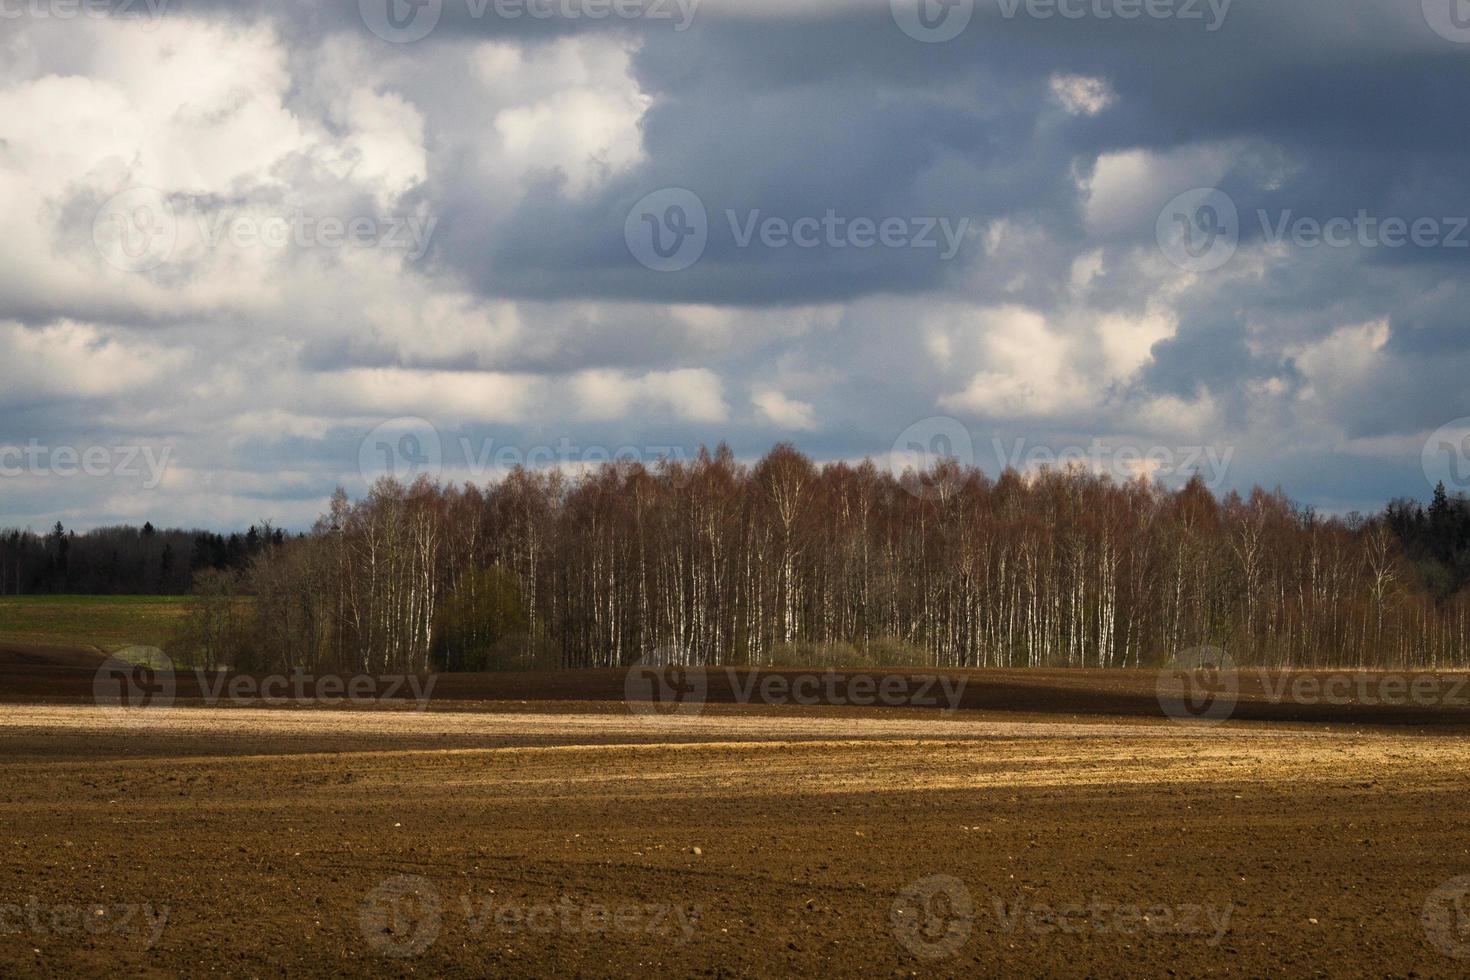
x=61 y=675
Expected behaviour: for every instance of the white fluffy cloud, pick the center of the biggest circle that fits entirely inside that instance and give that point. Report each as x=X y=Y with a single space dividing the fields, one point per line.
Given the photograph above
x=691 y=395
x=1127 y=189
x=1081 y=95
x=69 y=361
x=787 y=413
x=570 y=107
x=1025 y=372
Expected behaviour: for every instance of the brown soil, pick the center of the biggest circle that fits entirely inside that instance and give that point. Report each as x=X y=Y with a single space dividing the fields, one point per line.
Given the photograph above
x=1382 y=698
x=275 y=839
x=22 y=658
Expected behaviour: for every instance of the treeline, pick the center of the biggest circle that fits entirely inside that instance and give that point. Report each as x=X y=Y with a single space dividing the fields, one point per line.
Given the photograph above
x=785 y=562
x=1436 y=540
x=122 y=560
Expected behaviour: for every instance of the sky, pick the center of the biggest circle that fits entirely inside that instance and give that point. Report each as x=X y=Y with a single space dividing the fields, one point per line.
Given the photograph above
x=256 y=250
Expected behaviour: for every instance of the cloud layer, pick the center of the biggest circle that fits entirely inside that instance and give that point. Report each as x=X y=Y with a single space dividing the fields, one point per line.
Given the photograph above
x=255 y=234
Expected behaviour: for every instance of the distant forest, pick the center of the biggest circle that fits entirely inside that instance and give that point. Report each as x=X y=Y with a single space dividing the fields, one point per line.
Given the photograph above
x=122 y=560
x=785 y=561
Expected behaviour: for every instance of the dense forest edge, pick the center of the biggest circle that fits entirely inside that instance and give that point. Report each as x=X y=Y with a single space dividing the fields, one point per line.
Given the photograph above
x=789 y=563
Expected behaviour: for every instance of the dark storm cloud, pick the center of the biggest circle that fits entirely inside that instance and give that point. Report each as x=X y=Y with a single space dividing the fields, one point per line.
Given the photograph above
x=793 y=115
